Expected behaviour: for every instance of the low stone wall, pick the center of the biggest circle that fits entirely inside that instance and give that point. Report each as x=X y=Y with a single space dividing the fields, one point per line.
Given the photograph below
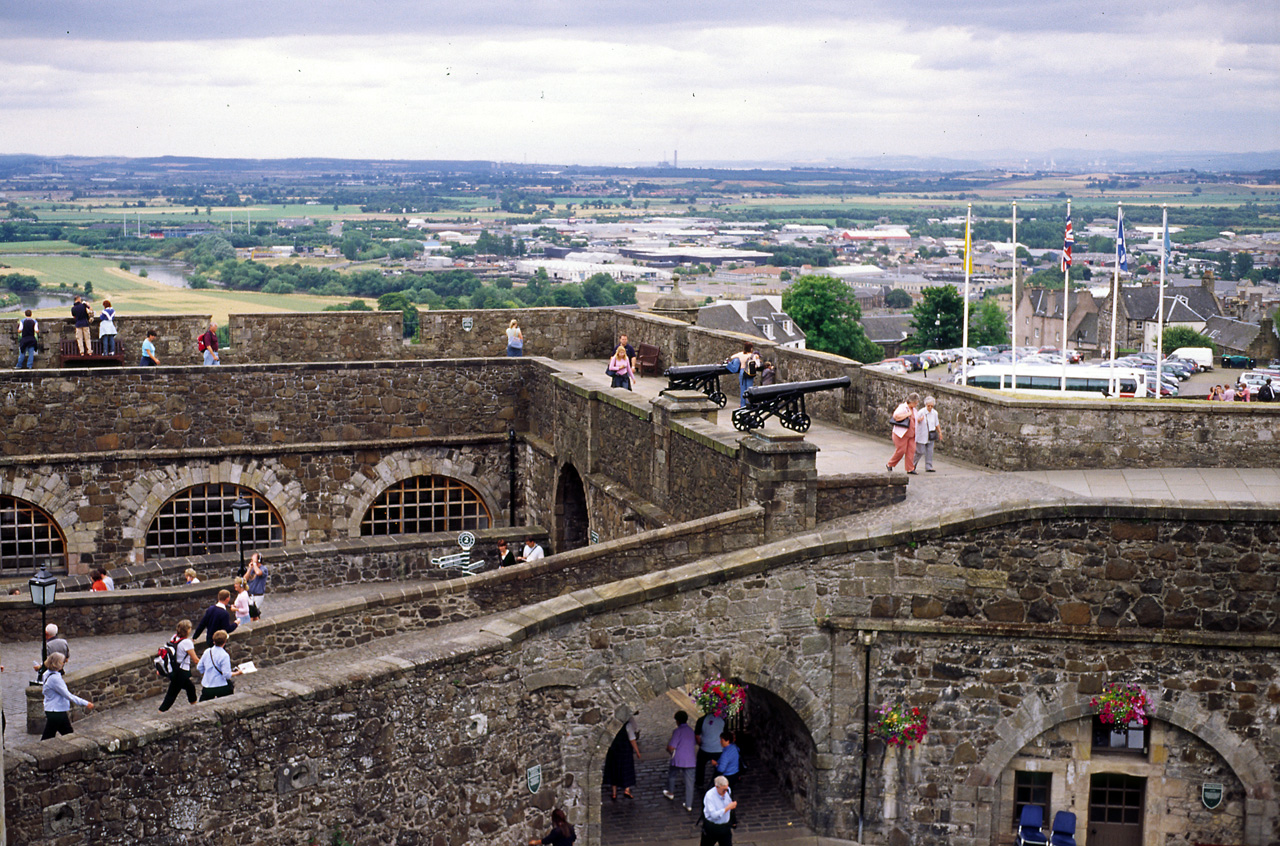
x=552 y=332
x=317 y=336
x=839 y=496
x=339 y=625
x=991 y=430
x=175 y=341
x=151 y=595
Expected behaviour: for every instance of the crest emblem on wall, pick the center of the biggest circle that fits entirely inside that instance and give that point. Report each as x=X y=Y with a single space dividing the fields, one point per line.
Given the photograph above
x=468 y=323
x=533 y=778
x=1211 y=795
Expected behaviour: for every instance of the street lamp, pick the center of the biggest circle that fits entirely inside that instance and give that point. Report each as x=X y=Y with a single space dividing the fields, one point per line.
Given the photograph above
x=43 y=588
x=241 y=510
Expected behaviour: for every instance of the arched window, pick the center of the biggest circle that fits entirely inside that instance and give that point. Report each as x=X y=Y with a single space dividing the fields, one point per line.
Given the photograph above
x=29 y=538
x=198 y=521
x=426 y=504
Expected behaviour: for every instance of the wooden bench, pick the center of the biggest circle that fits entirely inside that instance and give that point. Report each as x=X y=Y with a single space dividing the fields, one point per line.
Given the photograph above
x=69 y=355
x=648 y=358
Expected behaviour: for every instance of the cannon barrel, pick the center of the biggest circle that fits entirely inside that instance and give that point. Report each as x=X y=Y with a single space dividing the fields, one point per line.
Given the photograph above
x=764 y=393
x=693 y=371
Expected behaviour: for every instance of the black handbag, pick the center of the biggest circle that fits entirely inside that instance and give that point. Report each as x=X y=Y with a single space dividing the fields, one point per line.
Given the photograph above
x=933 y=434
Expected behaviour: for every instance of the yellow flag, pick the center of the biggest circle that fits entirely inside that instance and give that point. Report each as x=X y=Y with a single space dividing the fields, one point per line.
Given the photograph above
x=968 y=247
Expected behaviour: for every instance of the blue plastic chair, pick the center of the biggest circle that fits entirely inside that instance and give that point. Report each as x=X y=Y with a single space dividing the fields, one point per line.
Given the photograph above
x=1064 y=829
x=1029 y=823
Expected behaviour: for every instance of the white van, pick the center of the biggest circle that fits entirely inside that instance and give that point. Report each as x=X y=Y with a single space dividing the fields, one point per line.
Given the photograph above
x=1202 y=356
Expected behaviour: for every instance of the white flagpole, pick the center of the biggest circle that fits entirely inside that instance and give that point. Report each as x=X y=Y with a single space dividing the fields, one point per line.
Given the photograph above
x=968 y=248
x=1066 y=302
x=1115 y=301
x=1013 y=312
x=1164 y=257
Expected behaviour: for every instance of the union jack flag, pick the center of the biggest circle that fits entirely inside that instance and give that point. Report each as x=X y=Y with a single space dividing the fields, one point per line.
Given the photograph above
x=1068 y=241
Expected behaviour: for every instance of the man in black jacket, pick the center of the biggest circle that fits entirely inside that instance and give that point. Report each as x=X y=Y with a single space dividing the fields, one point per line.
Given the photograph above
x=216 y=617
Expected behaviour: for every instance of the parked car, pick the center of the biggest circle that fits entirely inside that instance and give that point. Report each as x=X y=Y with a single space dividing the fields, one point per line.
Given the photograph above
x=889 y=367
x=1237 y=361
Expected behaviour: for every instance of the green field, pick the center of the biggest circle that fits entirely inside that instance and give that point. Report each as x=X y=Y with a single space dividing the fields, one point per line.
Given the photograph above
x=131 y=294
x=39 y=247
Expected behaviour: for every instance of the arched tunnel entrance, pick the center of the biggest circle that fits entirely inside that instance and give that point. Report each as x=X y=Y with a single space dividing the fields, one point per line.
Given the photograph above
x=571 y=521
x=775 y=790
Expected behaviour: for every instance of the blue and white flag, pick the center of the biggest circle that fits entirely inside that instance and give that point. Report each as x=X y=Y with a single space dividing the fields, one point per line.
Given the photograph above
x=1122 y=258
x=1168 y=248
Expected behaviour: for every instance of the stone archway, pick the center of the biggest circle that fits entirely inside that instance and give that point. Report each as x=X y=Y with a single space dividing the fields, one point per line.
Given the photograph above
x=361 y=491
x=1037 y=715
x=764 y=668
x=571 y=520
x=50 y=493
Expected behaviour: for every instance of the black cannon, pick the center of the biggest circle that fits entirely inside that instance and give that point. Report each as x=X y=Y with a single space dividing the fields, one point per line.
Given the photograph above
x=697 y=377
x=785 y=400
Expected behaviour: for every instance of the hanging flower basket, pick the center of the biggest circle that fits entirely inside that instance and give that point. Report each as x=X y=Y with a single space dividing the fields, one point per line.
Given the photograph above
x=902 y=725
x=1121 y=704
x=722 y=698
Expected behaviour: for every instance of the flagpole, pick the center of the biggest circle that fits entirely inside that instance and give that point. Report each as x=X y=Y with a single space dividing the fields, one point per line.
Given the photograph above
x=1013 y=312
x=1115 y=293
x=968 y=263
x=1066 y=296
x=1164 y=257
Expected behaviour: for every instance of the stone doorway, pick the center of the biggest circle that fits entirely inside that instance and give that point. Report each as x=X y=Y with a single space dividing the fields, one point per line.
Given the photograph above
x=572 y=522
x=775 y=790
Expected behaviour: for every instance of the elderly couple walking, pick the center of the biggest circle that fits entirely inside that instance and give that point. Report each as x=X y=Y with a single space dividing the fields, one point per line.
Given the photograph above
x=915 y=431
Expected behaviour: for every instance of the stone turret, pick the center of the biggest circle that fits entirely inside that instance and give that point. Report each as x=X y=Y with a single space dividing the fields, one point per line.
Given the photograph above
x=676 y=304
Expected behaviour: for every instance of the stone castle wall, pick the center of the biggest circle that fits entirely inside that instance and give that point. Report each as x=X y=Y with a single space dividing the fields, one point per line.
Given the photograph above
x=553 y=682
x=175 y=341
x=321 y=336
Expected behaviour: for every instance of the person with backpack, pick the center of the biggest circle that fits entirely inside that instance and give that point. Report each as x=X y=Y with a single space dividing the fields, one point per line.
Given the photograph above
x=207 y=343
x=177 y=657
x=746 y=364
x=107 y=328
x=1267 y=393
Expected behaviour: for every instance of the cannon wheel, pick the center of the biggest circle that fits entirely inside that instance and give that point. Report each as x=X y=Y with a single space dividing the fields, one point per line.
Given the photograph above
x=718 y=398
x=800 y=423
x=744 y=420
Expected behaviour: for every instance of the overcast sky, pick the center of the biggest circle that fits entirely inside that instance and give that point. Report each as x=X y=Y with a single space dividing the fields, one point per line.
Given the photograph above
x=629 y=81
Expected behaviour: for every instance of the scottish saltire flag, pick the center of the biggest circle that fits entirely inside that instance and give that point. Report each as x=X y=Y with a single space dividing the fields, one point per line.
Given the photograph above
x=1068 y=241
x=1168 y=248
x=1122 y=257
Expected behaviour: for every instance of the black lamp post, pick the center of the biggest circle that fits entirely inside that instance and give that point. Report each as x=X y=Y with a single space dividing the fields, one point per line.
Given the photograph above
x=43 y=589
x=241 y=510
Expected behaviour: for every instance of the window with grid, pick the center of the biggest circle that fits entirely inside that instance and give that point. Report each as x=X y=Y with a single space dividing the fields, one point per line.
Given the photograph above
x=198 y=520
x=1131 y=739
x=1030 y=789
x=426 y=504
x=29 y=538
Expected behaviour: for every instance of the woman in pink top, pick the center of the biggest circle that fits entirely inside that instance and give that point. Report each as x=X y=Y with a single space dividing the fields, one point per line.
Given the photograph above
x=904 y=434
x=620 y=369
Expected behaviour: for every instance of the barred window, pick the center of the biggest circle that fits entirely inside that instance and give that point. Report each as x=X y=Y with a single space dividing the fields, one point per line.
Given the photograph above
x=29 y=538
x=426 y=504
x=198 y=520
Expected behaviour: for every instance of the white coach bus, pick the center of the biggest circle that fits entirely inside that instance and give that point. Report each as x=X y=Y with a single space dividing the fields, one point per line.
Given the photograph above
x=1083 y=380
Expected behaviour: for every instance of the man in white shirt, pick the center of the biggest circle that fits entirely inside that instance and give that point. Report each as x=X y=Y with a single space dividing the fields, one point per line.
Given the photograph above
x=532 y=552
x=717 y=805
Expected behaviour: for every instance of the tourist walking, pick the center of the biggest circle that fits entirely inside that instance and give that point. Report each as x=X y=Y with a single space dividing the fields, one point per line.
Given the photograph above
x=52 y=645
x=207 y=343
x=515 y=339
x=904 y=434
x=215 y=669
x=255 y=578
x=28 y=341
x=57 y=698
x=718 y=806
x=561 y=834
x=216 y=618
x=82 y=315
x=190 y=576
x=683 y=747
x=927 y=433
x=241 y=602
x=707 y=732
x=531 y=552
x=729 y=765
x=183 y=660
x=149 y=351
x=620 y=368
x=506 y=558
x=631 y=353
x=107 y=328
x=620 y=761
